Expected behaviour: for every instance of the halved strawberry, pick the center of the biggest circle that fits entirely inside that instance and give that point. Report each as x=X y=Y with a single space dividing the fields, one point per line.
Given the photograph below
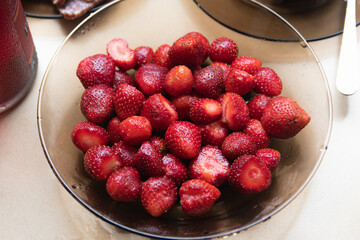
x=124 y=185
x=270 y=157
x=143 y=55
x=128 y=101
x=248 y=174
x=113 y=129
x=205 y=111
x=255 y=129
x=174 y=169
x=179 y=81
x=100 y=162
x=209 y=81
x=209 y=165
x=161 y=56
x=150 y=77
x=123 y=56
x=121 y=77
x=237 y=144
x=159 y=143
x=97 y=103
x=267 y=82
x=214 y=133
x=223 y=49
x=135 y=130
x=183 y=105
x=257 y=105
x=158 y=195
x=86 y=135
x=197 y=197
x=183 y=139
x=96 y=69
x=239 y=81
x=148 y=160
x=247 y=64
x=125 y=153
x=159 y=111
x=235 y=112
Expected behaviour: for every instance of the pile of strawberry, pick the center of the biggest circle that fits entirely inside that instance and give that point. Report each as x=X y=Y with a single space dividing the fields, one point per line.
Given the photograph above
x=174 y=122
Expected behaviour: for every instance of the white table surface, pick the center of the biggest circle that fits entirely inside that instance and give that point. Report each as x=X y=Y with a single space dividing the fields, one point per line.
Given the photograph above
x=34 y=205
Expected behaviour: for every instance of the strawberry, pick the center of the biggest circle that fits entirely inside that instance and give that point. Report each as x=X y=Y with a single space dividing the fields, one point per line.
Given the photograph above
x=197 y=197
x=113 y=129
x=135 y=130
x=149 y=78
x=86 y=135
x=190 y=50
x=143 y=55
x=270 y=157
x=205 y=111
x=239 y=81
x=125 y=153
x=224 y=66
x=128 y=101
x=255 y=129
x=183 y=105
x=248 y=174
x=161 y=56
x=209 y=165
x=96 y=69
x=257 y=105
x=159 y=111
x=183 y=139
x=235 y=112
x=159 y=143
x=174 y=169
x=179 y=81
x=148 y=160
x=284 y=118
x=247 y=64
x=214 y=133
x=267 y=82
x=121 y=77
x=97 y=103
x=100 y=162
x=158 y=195
x=209 y=81
x=123 y=56
x=237 y=144
x=124 y=185
x=223 y=49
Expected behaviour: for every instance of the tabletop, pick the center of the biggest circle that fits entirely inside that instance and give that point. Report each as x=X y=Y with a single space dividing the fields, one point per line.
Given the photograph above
x=34 y=205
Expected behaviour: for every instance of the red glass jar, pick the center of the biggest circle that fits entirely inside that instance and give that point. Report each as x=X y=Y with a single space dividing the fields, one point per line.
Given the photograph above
x=18 y=59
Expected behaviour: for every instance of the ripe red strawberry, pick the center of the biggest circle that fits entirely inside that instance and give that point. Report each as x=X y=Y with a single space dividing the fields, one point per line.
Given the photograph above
x=239 y=81
x=113 y=129
x=183 y=105
x=135 y=130
x=210 y=165
x=123 y=56
x=143 y=55
x=284 y=118
x=270 y=157
x=159 y=111
x=214 y=133
x=235 y=112
x=161 y=56
x=223 y=49
x=224 y=66
x=209 y=81
x=179 y=81
x=159 y=143
x=97 y=103
x=149 y=78
x=86 y=135
x=158 y=195
x=121 y=77
x=247 y=64
x=174 y=169
x=128 y=101
x=183 y=139
x=197 y=197
x=248 y=174
x=100 y=162
x=267 y=82
x=237 y=144
x=124 y=185
x=125 y=153
x=257 y=105
x=255 y=129
x=205 y=111
x=96 y=69
x=148 y=160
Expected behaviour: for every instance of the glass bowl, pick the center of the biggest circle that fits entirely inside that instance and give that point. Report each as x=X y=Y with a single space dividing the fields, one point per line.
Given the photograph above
x=153 y=23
